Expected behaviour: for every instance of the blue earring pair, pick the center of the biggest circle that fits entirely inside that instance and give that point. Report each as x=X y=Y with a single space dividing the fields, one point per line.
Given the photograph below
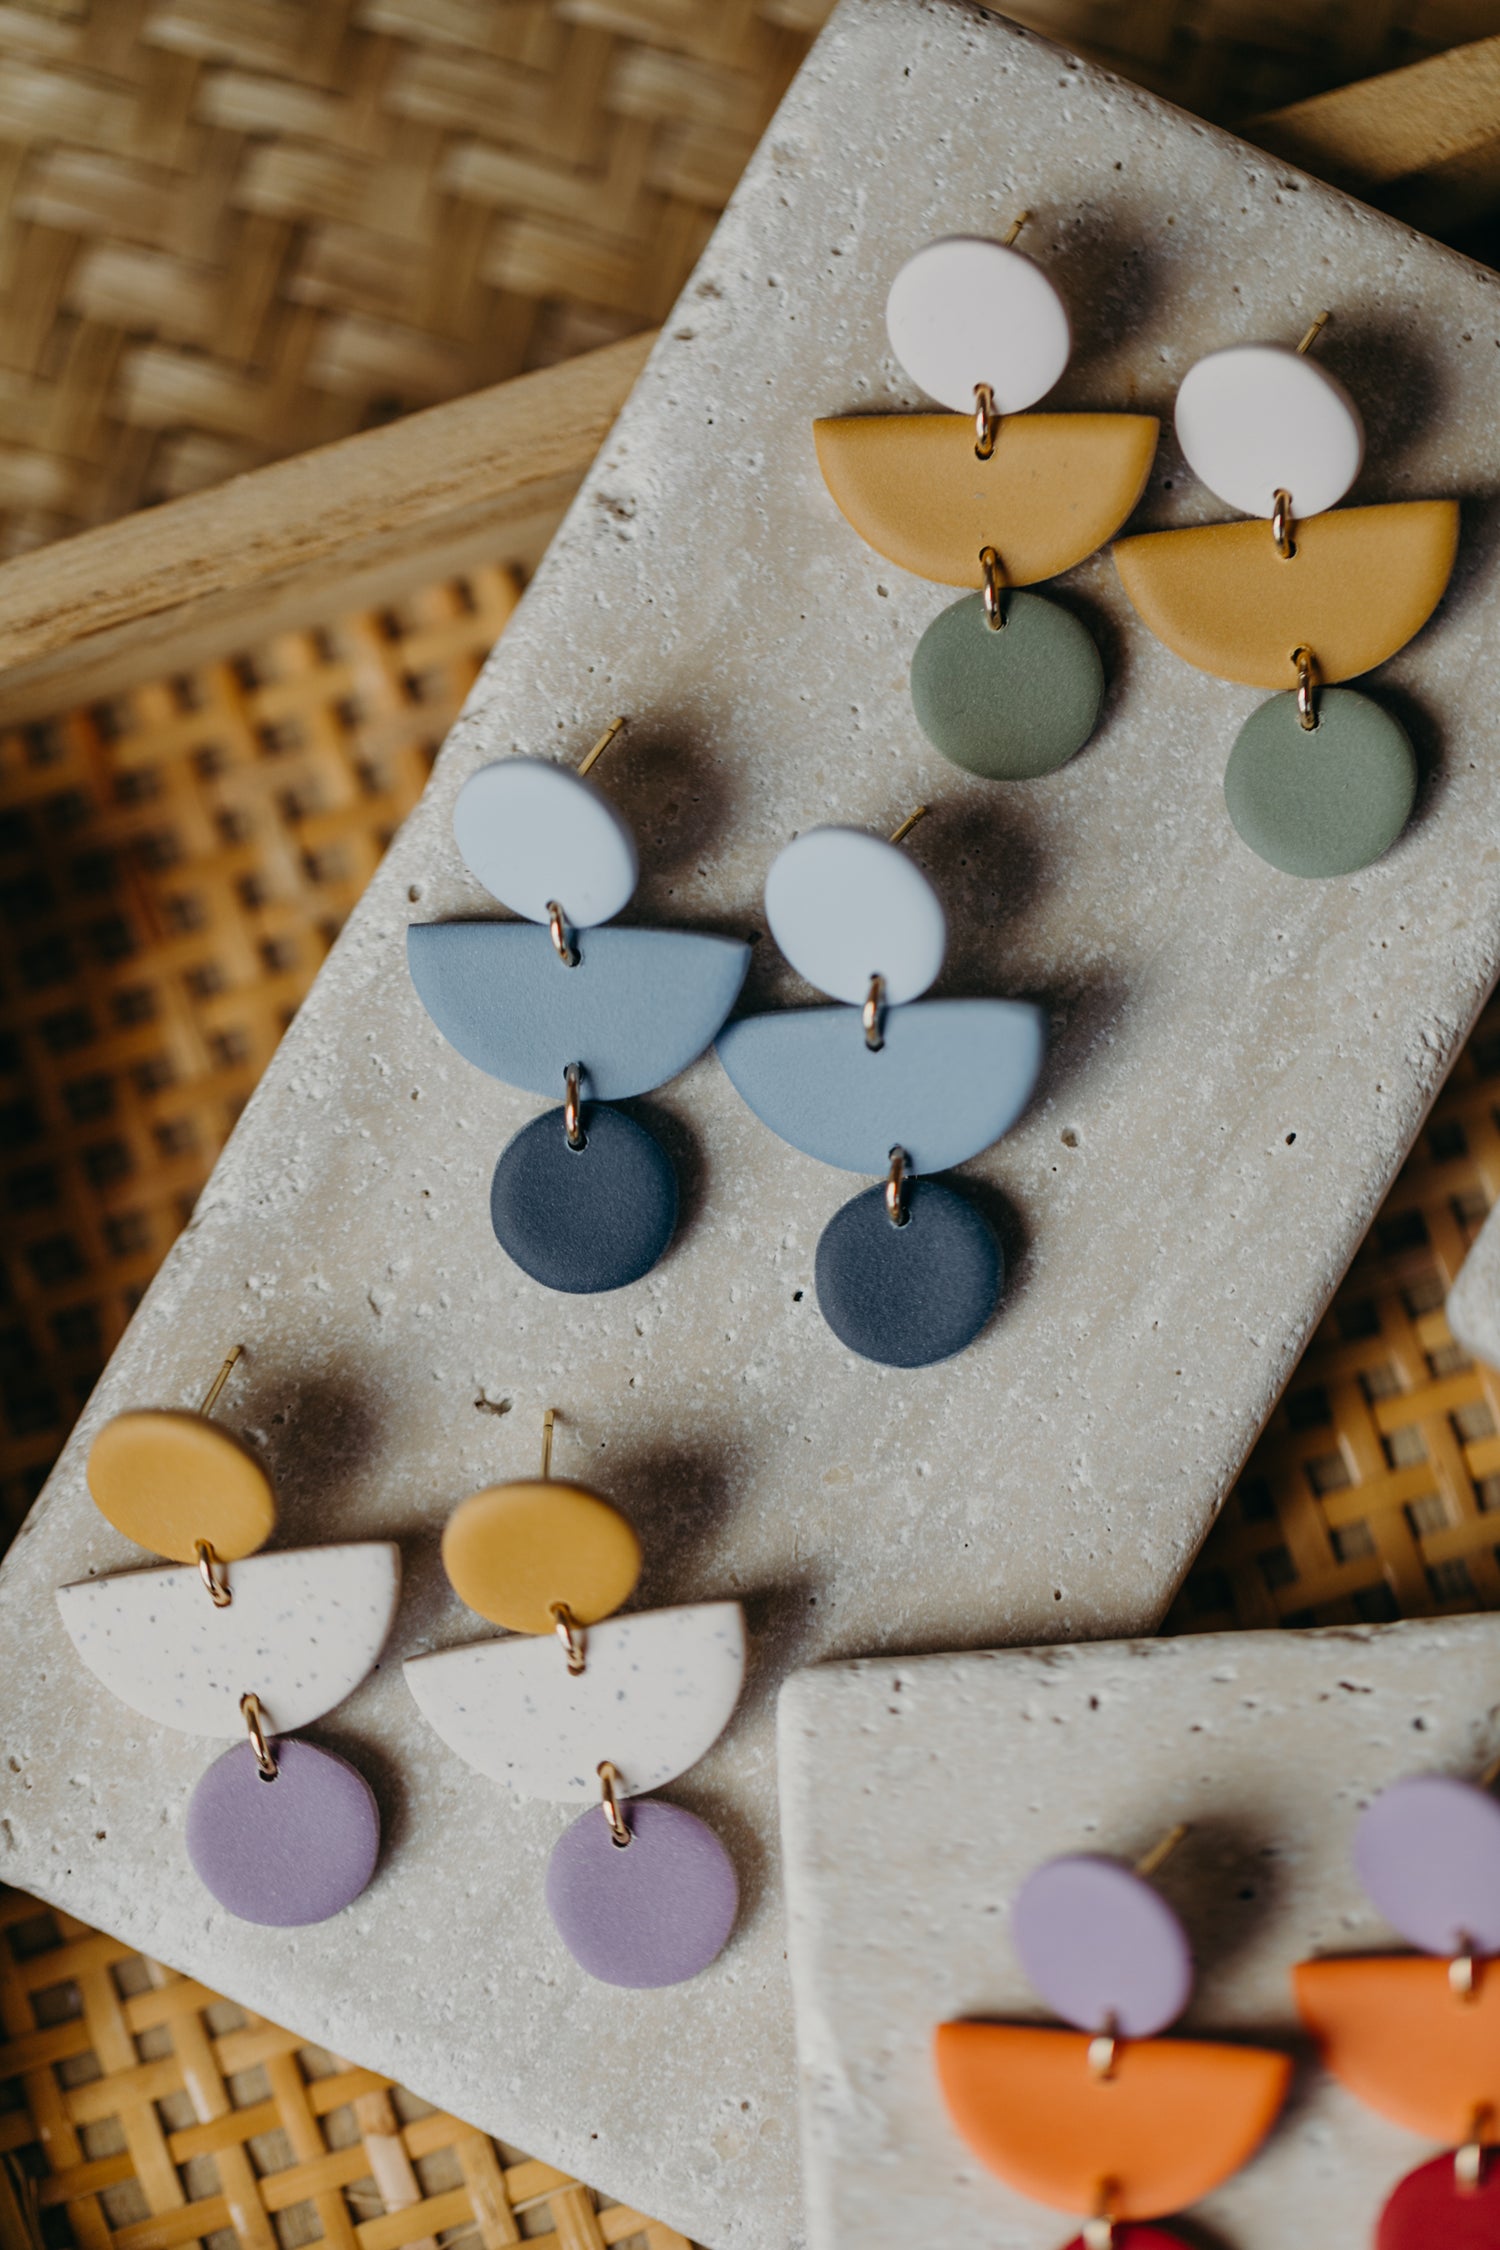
x=884 y=1082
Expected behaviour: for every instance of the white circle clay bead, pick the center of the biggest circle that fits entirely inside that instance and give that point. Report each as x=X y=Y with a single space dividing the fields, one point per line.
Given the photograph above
x=533 y=832
x=1259 y=419
x=845 y=906
x=965 y=311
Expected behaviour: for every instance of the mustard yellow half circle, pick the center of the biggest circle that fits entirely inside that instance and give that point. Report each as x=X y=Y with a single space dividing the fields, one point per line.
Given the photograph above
x=1055 y=488
x=1175 y=2117
x=1361 y=583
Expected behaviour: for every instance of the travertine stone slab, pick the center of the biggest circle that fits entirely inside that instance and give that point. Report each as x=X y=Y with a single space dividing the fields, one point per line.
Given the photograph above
x=1238 y=1062
x=1474 y=1300
x=917 y=1797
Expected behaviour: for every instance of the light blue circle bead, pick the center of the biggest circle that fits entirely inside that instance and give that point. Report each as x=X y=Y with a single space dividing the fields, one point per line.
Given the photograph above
x=534 y=833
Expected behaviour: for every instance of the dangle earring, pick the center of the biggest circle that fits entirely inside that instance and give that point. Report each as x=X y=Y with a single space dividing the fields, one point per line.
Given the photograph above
x=987 y=496
x=642 y=1893
x=1417 y=2036
x=1107 y=2120
x=584 y=1198
x=1321 y=780
x=909 y=1272
x=238 y=1643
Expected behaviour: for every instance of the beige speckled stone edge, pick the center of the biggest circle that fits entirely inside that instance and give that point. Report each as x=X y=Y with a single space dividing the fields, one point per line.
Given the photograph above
x=1239 y=1062
x=917 y=1796
x=1474 y=1299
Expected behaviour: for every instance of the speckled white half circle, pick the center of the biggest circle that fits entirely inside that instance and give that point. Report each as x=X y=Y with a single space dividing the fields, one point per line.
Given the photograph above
x=303 y=1629
x=656 y=1693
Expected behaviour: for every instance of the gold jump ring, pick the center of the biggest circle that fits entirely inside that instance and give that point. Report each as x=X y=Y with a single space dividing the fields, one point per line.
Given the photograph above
x=572 y=1109
x=254 y=1718
x=1307 y=709
x=566 y=953
x=986 y=422
x=994 y=585
x=871 y=1014
x=619 y=1828
x=214 y=1574
x=1283 y=525
x=568 y=1630
x=895 y=1190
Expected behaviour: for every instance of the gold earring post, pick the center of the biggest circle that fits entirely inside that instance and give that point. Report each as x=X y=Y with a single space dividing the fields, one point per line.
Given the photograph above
x=899 y=835
x=1314 y=333
x=1162 y=1850
x=603 y=743
x=1009 y=240
x=211 y=1395
x=547 y=1421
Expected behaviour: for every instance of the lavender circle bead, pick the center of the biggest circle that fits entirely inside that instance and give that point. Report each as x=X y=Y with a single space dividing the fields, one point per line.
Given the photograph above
x=651 y=1912
x=288 y=1851
x=1428 y=1853
x=1101 y=1946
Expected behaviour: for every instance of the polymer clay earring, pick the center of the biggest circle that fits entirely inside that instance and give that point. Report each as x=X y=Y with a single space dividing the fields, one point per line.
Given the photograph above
x=1321 y=780
x=584 y=1198
x=886 y=1082
x=238 y=1643
x=1417 y=2036
x=577 y=1706
x=1004 y=683
x=1107 y=2120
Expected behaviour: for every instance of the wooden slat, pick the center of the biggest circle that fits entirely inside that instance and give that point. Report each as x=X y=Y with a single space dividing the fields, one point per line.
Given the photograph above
x=352 y=525
x=1436 y=121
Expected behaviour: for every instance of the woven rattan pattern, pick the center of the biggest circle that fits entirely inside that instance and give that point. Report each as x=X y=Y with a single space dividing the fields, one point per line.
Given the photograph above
x=1374 y=1491
x=138 y=2111
x=173 y=869
x=233 y=229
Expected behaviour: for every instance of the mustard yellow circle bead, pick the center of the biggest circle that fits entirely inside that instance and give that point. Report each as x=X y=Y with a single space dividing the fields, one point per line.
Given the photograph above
x=168 y=1479
x=512 y=1551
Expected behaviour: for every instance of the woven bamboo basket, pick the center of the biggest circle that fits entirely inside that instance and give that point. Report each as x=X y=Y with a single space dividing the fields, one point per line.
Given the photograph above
x=234 y=229
x=138 y=2111
x=219 y=223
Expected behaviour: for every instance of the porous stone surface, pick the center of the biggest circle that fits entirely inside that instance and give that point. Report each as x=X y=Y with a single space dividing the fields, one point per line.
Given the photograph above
x=918 y=1796
x=1474 y=1300
x=1239 y=1061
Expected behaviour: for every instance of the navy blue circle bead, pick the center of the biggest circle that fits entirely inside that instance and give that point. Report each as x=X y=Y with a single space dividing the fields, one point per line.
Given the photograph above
x=589 y=1219
x=906 y=1296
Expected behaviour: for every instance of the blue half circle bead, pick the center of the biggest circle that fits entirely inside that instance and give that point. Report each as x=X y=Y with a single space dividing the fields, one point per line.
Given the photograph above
x=952 y=1076
x=639 y=1007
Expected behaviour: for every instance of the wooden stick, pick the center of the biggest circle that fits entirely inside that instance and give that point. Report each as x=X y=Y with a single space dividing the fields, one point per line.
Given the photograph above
x=348 y=526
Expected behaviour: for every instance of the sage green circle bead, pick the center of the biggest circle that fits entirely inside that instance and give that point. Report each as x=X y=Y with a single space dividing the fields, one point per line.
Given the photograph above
x=1009 y=704
x=1326 y=800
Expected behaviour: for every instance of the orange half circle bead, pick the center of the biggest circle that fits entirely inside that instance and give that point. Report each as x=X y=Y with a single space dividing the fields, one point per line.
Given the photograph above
x=1176 y=2118
x=1055 y=488
x=1391 y=2029
x=1362 y=582
x=514 y=1550
x=168 y=1479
